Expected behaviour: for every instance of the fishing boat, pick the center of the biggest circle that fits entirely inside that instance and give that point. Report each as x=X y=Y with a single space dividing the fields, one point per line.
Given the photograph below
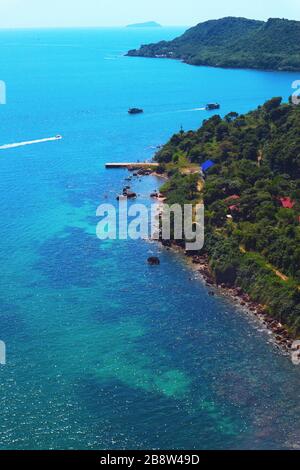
x=135 y=111
x=211 y=106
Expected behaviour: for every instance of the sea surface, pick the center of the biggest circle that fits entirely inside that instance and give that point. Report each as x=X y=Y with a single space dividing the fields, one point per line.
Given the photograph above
x=103 y=351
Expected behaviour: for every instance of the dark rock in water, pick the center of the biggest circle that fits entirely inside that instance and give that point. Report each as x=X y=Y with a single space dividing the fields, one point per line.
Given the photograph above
x=211 y=293
x=127 y=194
x=131 y=195
x=153 y=261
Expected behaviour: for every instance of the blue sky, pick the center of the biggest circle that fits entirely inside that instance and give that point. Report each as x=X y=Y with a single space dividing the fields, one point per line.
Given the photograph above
x=57 y=13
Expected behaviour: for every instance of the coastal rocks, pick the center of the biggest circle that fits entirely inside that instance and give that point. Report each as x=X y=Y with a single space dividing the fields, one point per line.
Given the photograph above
x=296 y=353
x=156 y=195
x=239 y=291
x=280 y=334
x=127 y=193
x=140 y=171
x=198 y=259
x=144 y=172
x=207 y=276
x=153 y=261
x=130 y=194
x=245 y=298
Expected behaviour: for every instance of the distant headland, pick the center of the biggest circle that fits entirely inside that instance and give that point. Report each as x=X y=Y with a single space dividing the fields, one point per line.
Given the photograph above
x=234 y=43
x=147 y=24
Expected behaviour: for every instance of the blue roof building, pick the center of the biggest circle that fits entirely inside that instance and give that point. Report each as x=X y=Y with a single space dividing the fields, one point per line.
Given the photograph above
x=207 y=165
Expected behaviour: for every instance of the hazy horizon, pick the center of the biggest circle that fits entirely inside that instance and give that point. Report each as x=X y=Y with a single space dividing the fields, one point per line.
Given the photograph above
x=179 y=25
x=117 y=13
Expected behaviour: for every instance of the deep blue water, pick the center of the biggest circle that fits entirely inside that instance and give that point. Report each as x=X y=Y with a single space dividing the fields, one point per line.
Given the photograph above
x=103 y=351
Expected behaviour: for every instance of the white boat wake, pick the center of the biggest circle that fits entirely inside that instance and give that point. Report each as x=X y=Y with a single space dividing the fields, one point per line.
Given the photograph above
x=30 y=142
x=176 y=111
x=197 y=109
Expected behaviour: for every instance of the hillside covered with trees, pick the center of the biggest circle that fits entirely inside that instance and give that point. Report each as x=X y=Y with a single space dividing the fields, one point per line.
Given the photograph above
x=252 y=200
x=234 y=42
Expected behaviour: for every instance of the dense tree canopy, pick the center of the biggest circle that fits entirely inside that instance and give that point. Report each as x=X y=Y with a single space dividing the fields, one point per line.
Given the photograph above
x=234 y=42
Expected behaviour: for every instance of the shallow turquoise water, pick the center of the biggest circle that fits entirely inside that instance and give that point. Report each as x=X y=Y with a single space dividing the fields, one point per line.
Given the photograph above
x=102 y=351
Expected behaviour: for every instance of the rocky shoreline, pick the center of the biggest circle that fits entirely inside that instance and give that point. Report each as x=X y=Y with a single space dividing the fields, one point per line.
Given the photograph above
x=281 y=335
x=200 y=264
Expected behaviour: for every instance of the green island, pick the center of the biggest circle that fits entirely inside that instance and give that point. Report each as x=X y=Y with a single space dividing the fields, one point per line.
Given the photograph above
x=234 y=43
x=251 y=193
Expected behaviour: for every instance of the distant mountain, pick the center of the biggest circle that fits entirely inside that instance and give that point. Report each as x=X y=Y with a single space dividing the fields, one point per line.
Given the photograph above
x=234 y=43
x=147 y=24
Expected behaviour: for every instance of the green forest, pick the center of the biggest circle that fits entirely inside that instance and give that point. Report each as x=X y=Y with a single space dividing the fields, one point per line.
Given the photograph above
x=234 y=42
x=252 y=200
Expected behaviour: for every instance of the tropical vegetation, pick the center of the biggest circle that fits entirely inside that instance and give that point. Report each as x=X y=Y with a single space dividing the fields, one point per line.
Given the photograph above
x=252 y=200
x=234 y=42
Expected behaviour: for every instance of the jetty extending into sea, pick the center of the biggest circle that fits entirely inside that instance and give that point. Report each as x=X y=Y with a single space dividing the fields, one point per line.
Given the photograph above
x=135 y=165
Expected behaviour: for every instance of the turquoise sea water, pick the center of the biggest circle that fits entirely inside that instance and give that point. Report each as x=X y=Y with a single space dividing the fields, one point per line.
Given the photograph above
x=103 y=351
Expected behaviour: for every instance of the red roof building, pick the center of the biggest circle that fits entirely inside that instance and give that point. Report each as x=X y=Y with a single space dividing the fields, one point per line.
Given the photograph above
x=234 y=197
x=287 y=202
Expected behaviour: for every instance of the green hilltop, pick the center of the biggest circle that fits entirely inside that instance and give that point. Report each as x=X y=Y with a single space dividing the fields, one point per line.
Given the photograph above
x=234 y=43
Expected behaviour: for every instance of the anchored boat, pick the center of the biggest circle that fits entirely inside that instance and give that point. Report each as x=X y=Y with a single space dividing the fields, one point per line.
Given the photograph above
x=135 y=111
